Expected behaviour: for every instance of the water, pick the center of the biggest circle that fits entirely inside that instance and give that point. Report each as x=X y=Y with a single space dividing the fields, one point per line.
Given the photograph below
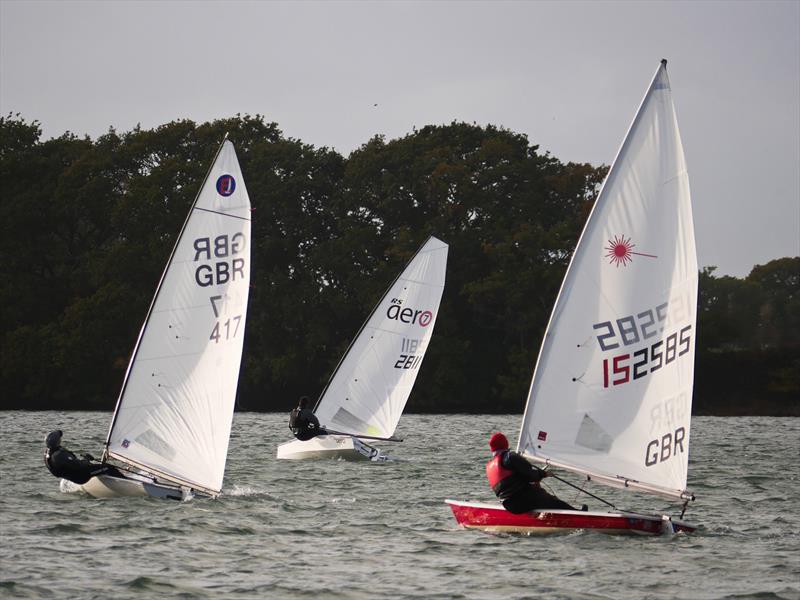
x=331 y=529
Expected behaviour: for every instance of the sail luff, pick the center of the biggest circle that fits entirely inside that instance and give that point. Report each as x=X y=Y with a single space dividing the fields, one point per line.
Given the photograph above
x=155 y=297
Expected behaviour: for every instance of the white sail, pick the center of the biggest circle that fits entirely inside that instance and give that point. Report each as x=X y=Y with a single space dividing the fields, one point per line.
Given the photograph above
x=174 y=413
x=612 y=390
x=368 y=391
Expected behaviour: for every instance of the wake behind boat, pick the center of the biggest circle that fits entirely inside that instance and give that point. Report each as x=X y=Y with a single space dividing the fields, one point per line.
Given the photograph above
x=366 y=395
x=611 y=393
x=170 y=430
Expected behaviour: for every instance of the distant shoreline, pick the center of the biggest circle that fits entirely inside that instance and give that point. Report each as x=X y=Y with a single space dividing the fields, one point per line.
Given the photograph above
x=785 y=414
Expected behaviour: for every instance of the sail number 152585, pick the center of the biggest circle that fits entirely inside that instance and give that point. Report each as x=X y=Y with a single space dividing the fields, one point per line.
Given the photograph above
x=623 y=368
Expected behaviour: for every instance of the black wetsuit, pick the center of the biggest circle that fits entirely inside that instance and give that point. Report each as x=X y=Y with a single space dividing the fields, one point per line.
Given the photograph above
x=304 y=424
x=520 y=491
x=64 y=464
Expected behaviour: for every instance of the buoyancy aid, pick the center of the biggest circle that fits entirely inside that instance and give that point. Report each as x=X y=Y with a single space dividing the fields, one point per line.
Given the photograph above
x=495 y=471
x=504 y=482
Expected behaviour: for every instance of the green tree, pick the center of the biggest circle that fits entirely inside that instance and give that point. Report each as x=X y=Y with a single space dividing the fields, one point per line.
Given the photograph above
x=88 y=226
x=511 y=216
x=727 y=311
x=779 y=312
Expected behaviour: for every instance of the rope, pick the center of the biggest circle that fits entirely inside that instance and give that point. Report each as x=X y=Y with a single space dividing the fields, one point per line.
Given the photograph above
x=606 y=502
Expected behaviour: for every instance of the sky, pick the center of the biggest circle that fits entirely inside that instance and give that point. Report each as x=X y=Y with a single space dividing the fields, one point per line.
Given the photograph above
x=569 y=75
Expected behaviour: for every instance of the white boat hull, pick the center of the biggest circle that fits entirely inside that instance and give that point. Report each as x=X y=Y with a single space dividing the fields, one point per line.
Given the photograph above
x=107 y=486
x=342 y=447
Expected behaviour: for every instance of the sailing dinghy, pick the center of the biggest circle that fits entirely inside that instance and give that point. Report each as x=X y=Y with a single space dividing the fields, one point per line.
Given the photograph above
x=366 y=394
x=611 y=393
x=172 y=422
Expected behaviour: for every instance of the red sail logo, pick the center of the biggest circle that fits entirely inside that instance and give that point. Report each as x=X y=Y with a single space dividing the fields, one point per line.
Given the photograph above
x=620 y=251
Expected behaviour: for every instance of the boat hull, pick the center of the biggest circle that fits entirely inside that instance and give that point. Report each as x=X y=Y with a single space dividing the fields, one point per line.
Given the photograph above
x=342 y=447
x=494 y=518
x=107 y=486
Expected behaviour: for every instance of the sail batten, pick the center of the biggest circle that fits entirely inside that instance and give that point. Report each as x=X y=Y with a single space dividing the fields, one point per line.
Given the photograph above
x=224 y=214
x=612 y=387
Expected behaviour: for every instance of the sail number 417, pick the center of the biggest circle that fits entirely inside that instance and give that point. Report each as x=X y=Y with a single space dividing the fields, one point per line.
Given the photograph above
x=223 y=330
x=226 y=330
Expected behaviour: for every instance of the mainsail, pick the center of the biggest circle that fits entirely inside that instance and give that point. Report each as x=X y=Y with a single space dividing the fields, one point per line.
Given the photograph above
x=368 y=391
x=612 y=391
x=174 y=413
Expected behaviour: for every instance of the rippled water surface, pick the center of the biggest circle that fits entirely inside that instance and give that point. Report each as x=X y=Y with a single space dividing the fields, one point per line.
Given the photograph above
x=330 y=529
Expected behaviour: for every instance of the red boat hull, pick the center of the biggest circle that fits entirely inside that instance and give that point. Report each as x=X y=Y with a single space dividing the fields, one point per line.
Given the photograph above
x=493 y=517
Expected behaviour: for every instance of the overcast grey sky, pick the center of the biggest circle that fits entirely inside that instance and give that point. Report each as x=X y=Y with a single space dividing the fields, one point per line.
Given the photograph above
x=570 y=75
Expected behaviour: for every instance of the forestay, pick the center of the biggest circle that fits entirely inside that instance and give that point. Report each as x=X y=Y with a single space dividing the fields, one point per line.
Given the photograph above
x=612 y=390
x=368 y=391
x=174 y=413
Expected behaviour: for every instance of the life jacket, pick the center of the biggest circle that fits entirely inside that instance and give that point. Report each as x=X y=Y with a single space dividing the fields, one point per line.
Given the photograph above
x=496 y=472
x=504 y=482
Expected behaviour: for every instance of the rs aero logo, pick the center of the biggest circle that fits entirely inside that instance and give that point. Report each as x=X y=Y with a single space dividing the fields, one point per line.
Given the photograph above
x=226 y=185
x=407 y=315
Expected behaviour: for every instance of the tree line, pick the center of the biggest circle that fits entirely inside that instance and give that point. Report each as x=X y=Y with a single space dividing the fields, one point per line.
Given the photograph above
x=88 y=226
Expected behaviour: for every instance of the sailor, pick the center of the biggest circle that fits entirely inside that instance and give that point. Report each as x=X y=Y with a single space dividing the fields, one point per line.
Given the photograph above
x=303 y=422
x=64 y=464
x=516 y=481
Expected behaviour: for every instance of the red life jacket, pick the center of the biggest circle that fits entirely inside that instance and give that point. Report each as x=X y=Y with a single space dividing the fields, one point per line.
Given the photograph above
x=495 y=472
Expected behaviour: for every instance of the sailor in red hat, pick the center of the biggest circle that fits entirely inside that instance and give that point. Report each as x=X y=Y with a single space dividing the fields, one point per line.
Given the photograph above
x=516 y=481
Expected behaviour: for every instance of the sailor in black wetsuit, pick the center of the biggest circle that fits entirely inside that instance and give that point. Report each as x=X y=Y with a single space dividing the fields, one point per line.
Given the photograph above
x=516 y=481
x=64 y=464
x=304 y=423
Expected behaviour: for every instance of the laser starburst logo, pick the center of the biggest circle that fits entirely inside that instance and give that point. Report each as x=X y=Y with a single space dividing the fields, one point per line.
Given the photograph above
x=620 y=251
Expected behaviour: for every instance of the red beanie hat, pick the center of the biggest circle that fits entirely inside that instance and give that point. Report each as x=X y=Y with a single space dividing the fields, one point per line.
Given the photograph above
x=498 y=442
